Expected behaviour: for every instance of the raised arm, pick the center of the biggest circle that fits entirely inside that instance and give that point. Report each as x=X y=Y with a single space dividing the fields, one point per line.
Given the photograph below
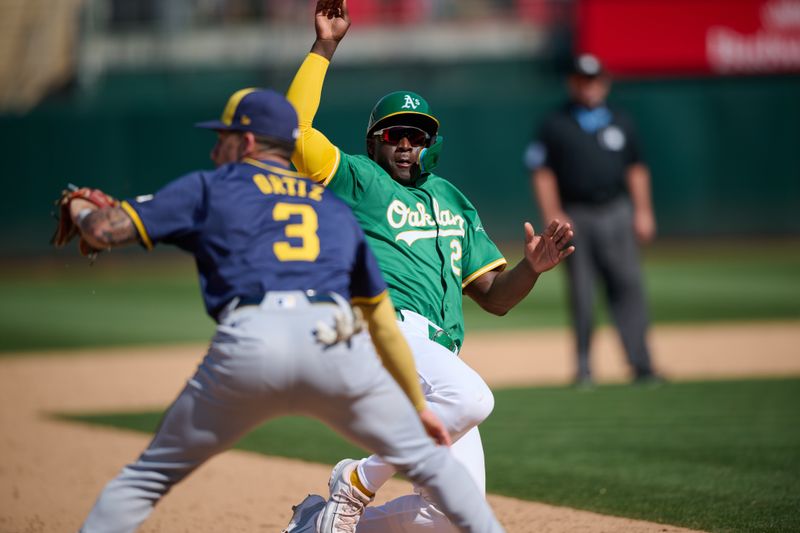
x=314 y=154
x=497 y=292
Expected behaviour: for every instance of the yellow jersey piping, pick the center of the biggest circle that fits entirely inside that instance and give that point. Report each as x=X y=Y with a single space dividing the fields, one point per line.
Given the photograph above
x=137 y=222
x=330 y=176
x=361 y=300
x=483 y=270
x=267 y=166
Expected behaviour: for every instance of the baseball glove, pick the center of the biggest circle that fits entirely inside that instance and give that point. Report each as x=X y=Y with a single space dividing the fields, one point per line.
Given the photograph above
x=66 y=229
x=347 y=321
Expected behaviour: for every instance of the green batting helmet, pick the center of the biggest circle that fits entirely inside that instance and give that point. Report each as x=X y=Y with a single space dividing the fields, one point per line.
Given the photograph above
x=403 y=108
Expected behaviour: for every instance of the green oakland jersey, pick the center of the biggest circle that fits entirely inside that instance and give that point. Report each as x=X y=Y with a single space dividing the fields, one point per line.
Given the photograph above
x=428 y=238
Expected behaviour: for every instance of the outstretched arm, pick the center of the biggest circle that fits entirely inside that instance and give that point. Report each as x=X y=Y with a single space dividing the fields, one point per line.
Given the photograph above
x=498 y=292
x=314 y=154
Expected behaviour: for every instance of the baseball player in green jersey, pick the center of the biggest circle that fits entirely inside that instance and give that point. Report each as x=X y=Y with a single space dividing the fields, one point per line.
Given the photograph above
x=431 y=247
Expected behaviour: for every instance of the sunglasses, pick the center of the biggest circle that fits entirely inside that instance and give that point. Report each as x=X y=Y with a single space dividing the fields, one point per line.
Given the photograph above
x=395 y=134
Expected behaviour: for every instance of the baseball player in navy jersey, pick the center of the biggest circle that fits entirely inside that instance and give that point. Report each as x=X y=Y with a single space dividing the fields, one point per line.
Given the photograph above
x=279 y=259
x=431 y=247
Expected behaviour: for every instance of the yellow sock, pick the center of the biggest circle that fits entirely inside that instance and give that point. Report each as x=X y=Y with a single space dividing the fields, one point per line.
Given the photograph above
x=357 y=483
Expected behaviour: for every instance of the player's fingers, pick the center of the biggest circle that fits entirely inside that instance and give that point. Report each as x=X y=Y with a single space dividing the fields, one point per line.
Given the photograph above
x=434 y=427
x=529 y=232
x=567 y=238
x=563 y=236
x=336 y=10
x=551 y=228
x=322 y=6
x=439 y=434
x=445 y=440
x=559 y=234
x=327 y=8
x=566 y=252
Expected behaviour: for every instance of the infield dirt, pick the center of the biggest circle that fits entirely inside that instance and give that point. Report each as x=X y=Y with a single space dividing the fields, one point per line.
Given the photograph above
x=51 y=471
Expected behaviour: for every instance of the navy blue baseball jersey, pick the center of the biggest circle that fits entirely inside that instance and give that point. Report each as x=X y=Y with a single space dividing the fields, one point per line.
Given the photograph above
x=254 y=227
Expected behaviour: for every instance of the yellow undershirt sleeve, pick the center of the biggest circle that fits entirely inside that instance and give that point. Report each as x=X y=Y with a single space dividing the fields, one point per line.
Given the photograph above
x=393 y=349
x=314 y=156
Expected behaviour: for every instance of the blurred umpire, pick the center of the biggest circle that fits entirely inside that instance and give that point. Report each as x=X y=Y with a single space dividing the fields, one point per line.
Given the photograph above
x=586 y=169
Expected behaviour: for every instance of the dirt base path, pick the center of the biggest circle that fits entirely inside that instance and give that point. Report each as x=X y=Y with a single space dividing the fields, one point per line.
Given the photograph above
x=51 y=471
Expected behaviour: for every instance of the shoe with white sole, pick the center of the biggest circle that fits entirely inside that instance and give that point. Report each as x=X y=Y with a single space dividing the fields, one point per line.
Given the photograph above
x=304 y=519
x=346 y=503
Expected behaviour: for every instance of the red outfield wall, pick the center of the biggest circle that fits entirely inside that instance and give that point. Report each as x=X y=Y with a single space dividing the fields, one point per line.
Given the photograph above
x=680 y=37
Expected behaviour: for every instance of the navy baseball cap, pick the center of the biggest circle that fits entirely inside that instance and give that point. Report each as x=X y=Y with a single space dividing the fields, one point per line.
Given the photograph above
x=264 y=112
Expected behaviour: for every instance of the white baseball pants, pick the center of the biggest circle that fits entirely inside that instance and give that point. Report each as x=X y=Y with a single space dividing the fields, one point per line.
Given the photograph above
x=462 y=400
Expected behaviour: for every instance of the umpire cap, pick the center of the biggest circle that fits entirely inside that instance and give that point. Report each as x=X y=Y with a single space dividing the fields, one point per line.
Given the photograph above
x=261 y=111
x=403 y=107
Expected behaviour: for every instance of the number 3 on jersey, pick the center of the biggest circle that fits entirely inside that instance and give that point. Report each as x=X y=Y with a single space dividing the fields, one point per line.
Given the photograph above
x=306 y=231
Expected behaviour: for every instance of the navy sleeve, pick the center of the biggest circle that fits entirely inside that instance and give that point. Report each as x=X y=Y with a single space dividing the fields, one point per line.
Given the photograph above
x=171 y=215
x=366 y=281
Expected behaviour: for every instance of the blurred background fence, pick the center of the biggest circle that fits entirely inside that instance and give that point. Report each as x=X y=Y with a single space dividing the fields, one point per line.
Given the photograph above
x=104 y=93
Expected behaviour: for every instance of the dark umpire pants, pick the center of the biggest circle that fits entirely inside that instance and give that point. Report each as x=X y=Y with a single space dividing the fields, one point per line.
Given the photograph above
x=606 y=247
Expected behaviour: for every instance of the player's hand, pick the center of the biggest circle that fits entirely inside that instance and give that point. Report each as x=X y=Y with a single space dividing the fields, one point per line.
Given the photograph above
x=74 y=204
x=545 y=251
x=434 y=427
x=561 y=216
x=77 y=206
x=331 y=20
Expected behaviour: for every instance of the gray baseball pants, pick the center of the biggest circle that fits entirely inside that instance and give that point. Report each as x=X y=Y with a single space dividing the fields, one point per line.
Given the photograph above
x=605 y=246
x=264 y=362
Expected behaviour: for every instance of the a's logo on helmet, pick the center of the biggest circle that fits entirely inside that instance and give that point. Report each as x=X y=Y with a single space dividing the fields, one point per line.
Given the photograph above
x=410 y=103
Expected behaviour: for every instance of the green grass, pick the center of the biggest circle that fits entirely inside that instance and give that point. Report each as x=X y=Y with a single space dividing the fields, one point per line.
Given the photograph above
x=132 y=299
x=688 y=282
x=721 y=456
x=111 y=303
